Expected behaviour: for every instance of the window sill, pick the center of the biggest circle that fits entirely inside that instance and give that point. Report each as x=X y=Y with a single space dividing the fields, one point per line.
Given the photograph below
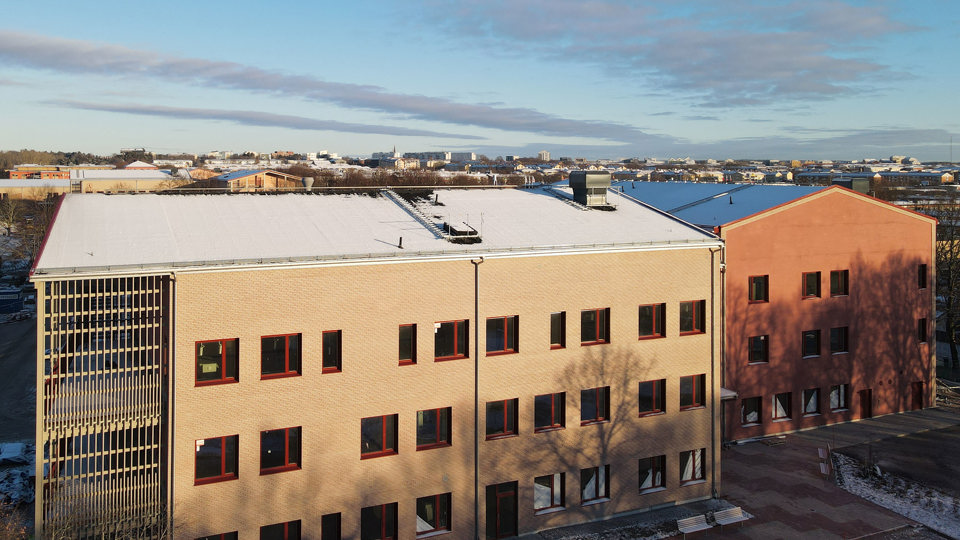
x=839 y=353
x=264 y=377
x=548 y=510
x=655 y=336
x=839 y=295
x=758 y=301
x=501 y=436
x=652 y=413
x=592 y=502
x=751 y=424
x=500 y=353
x=839 y=410
x=331 y=370
x=810 y=297
x=805 y=415
x=214 y=480
x=548 y=429
x=591 y=343
x=693 y=408
x=446 y=358
x=275 y=470
x=594 y=422
x=213 y=383
x=758 y=363
x=778 y=420
x=693 y=333
x=693 y=482
x=810 y=356
x=554 y=347
x=432 y=446
x=407 y=363
x=653 y=490
x=431 y=534
x=373 y=455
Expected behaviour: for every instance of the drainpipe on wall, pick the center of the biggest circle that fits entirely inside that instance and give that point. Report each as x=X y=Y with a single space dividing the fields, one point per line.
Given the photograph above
x=171 y=387
x=713 y=365
x=476 y=396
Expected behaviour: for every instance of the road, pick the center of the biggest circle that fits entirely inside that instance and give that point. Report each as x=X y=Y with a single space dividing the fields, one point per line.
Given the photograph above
x=18 y=372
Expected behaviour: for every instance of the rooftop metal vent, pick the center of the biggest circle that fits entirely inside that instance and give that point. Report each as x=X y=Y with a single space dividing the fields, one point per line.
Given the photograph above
x=590 y=187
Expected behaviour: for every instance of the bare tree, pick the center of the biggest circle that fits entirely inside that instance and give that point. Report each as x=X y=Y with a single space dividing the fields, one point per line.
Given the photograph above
x=10 y=211
x=948 y=273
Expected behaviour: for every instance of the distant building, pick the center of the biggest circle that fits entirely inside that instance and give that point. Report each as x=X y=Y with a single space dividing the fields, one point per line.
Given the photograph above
x=543 y=155
x=463 y=156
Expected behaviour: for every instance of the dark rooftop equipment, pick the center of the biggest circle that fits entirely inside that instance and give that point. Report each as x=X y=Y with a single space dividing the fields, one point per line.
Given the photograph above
x=590 y=187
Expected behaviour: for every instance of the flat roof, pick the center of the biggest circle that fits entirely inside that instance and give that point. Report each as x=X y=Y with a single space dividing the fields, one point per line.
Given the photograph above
x=94 y=233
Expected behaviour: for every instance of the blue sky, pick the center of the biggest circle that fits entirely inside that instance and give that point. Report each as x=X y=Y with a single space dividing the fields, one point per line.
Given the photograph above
x=810 y=79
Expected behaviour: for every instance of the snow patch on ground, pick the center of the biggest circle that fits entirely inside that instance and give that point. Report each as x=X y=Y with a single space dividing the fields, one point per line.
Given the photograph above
x=16 y=471
x=938 y=510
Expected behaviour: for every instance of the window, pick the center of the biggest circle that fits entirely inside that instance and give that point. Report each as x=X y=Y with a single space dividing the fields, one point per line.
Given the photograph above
x=750 y=411
x=378 y=436
x=433 y=428
x=651 y=396
x=548 y=491
x=549 y=412
x=781 y=406
x=811 y=401
x=651 y=321
x=378 y=522
x=332 y=355
x=330 y=527
x=408 y=344
x=692 y=391
x=838 y=340
x=692 y=317
x=691 y=466
x=839 y=283
x=651 y=473
x=595 y=484
x=280 y=356
x=215 y=460
x=839 y=397
x=811 y=343
x=759 y=289
x=811 y=284
x=594 y=326
x=433 y=514
x=281 y=531
x=594 y=405
x=223 y=536
x=501 y=502
x=558 y=330
x=922 y=276
x=502 y=334
x=450 y=340
x=501 y=418
x=759 y=349
x=922 y=330
x=217 y=361
x=279 y=450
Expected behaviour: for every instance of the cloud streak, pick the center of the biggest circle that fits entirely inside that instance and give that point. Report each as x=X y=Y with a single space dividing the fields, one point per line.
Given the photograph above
x=256 y=118
x=83 y=57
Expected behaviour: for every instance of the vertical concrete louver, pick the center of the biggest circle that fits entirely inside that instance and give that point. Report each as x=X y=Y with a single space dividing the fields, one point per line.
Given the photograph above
x=101 y=456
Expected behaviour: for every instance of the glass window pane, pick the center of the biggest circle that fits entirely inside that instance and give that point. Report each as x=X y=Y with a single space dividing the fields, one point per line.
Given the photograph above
x=208 y=458
x=272 y=355
x=371 y=435
x=272 y=449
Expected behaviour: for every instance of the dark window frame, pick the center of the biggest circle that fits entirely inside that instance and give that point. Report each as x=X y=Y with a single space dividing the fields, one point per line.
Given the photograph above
x=387 y=519
x=758 y=349
x=388 y=441
x=698 y=454
x=442 y=431
x=223 y=379
x=558 y=330
x=511 y=342
x=656 y=465
x=839 y=283
x=601 y=405
x=842 y=391
x=557 y=414
x=810 y=285
x=288 y=464
x=658 y=398
x=331 y=361
x=601 y=493
x=758 y=289
x=458 y=351
x=510 y=418
x=601 y=327
x=441 y=507
x=697 y=392
x=754 y=405
x=222 y=536
x=407 y=357
x=555 y=491
x=287 y=371
x=840 y=340
x=922 y=334
x=788 y=400
x=225 y=461
x=810 y=348
x=804 y=396
x=331 y=526
x=657 y=321
x=696 y=318
x=922 y=276
x=287 y=533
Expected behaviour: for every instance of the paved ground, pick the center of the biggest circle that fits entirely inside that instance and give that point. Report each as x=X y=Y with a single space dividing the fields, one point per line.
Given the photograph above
x=18 y=381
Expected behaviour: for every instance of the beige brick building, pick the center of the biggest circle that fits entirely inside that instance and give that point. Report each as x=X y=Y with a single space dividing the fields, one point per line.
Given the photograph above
x=372 y=366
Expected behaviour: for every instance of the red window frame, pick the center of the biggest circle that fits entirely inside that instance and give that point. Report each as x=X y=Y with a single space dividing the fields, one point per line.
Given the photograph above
x=762 y=353
x=509 y=419
x=465 y=353
x=223 y=362
x=601 y=329
x=788 y=414
x=698 y=323
x=557 y=405
x=287 y=372
x=287 y=533
x=437 y=527
x=388 y=514
x=697 y=391
x=388 y=441
x=753 y=295
x=221 y=536
x=805 y=292
x=748 y=404
x=223 y=476
x=554 y=491
x=839 y=283
x=444 y=418
x=695 y=455
x=601 y=397
x=658 y=397
x=599 y=494
x=288 y=465
x=338 y=361
x=412 y=353
x=508 y=347
x=560 y=319
x=803 y=343
x=657 y=464
x=657 y=317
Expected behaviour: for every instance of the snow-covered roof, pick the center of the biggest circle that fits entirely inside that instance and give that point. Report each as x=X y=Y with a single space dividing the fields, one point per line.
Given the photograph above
x=710 y=205
x=34 y=182
x=140 y=164
x=96 y=233
x=118 y=174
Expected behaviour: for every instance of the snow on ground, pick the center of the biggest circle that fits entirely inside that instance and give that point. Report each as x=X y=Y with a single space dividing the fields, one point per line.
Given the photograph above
x=16 y=468
x=935 y=509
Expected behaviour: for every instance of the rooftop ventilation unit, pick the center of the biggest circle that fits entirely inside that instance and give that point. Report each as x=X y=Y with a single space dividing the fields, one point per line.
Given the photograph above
x=590 y=188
